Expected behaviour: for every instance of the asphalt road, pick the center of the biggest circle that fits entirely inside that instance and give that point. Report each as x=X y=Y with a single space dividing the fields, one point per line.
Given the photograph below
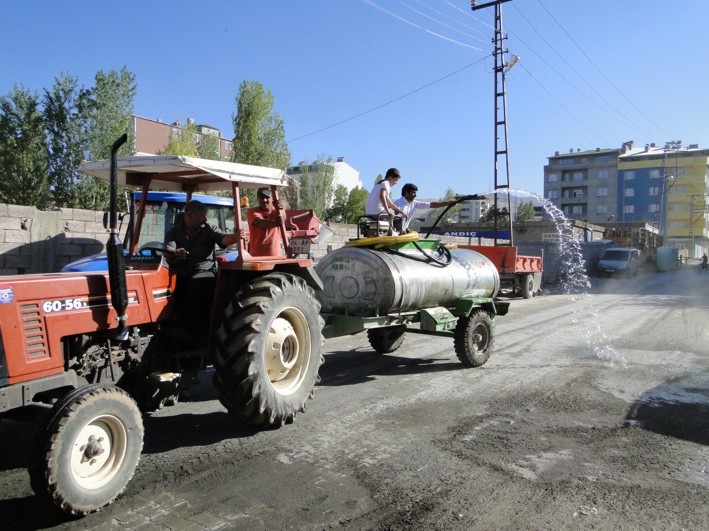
x=592 y=412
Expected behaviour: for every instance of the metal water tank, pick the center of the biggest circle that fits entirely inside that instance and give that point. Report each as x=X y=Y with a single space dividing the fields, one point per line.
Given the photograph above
x=368 y=282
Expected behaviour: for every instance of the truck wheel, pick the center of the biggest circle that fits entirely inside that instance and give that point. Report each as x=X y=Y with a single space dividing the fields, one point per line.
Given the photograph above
x=473 y=339
x=269 y=350
x=526 y=289
x=88 y=449
x=387 y=338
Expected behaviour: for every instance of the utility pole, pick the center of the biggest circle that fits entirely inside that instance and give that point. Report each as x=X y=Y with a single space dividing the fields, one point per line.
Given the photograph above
x=501 y=152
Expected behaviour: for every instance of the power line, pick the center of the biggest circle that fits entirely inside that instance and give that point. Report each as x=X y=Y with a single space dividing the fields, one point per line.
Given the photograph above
x=603 y=74
x=389 y=102
x=592 y=88
x=453 y=41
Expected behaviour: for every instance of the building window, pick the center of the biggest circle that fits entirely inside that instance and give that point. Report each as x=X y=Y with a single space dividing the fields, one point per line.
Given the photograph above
x=553 y=177
x=602 y=192
x=654 y=174
x=577 y=209
x=678 y=225
x=227 y=146
x=578 y=176
x=601 y=209
x=629 y=175
x=629 y=192
x=602 y=174
x=629 y=209
x=653 y=208
x=553 y=194
x=654 y=190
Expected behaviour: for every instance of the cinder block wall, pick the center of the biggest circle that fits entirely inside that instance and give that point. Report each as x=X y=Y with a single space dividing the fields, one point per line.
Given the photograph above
x=36 y=241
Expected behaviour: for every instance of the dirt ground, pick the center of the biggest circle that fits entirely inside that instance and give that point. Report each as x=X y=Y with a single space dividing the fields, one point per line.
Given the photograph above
x=593 y=412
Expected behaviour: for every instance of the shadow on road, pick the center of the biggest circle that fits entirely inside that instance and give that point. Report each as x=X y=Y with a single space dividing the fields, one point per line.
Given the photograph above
x=678 y=408
x=350 y=367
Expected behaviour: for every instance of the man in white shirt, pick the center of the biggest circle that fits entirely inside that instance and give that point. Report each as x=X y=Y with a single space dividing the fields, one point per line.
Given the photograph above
x=408 y=203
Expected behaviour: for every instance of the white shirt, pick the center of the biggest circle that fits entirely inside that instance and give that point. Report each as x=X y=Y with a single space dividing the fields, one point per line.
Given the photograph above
x=374 y=203
x=409 y=207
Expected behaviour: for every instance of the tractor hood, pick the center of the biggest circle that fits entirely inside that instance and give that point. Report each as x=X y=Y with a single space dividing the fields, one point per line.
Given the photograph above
x=179 y=173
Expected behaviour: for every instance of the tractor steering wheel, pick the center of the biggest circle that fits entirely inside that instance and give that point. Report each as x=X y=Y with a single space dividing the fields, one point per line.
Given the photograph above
x=154 y=249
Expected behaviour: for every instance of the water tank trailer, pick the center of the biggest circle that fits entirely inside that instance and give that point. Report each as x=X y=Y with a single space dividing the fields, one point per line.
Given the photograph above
x=384 y=285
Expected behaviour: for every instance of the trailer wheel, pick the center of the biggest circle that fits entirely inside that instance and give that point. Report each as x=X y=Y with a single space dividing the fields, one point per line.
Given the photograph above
x=473 y=339
x=526 y=289
x=386 y=338
x=269 y=350
x=88 y=449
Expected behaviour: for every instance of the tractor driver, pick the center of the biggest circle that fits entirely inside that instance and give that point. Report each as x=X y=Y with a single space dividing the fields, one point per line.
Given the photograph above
x=193 y=260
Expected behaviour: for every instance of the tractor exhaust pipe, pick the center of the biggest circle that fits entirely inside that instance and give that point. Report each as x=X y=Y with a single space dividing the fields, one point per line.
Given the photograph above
x=114 y=250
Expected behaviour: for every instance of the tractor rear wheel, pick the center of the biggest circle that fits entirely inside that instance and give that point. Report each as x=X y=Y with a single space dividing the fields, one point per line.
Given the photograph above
x=88 y=450
x=473 y=339
x=387 y=338
x=269 y=350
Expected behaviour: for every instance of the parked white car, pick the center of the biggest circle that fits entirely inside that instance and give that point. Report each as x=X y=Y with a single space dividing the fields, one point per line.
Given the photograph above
x=619 y=260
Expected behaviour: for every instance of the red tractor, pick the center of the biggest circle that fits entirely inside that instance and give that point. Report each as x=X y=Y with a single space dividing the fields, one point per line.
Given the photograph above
x=91 y=351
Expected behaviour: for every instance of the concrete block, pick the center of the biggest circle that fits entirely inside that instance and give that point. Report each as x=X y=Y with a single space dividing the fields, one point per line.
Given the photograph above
x=17 y=236
x=21 y=211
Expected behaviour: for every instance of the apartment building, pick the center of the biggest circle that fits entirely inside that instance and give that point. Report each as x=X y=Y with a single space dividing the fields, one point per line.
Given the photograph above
x=152 y=136
x=663 y=187
x=344 y=174
x=584 y=184
x=668 y=187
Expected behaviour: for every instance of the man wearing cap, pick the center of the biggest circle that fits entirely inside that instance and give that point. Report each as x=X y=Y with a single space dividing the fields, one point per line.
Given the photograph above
x=264 y=221
x=408 y=203
x=193 y=260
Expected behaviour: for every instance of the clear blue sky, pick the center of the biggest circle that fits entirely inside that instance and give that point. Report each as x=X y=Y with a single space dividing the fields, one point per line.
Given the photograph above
x=405 y=83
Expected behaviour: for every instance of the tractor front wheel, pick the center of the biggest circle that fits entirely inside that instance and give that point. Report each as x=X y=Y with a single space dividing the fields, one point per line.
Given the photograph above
x=269 y=350
x=88 y=450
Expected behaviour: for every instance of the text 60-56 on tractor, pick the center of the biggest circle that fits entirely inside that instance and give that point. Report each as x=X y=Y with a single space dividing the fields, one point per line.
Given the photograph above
x=90 y=350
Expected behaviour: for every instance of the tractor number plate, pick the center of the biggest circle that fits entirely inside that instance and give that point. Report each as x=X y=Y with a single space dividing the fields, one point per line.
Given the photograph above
x=300 y=246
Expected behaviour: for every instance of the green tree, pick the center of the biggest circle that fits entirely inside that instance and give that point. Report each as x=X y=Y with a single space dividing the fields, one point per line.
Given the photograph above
x=208 y=147
x=110 y=112
x=502 y=214
x=65 y=123
x=337 y=212
x=259 y=132
x=525 y=212
x=23 y=150
x=317 y=184
x=356 y=204
x=183 y=143
x=347 y=207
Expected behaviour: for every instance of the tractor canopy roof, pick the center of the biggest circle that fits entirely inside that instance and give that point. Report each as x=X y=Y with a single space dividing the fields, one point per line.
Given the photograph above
x=179 y=173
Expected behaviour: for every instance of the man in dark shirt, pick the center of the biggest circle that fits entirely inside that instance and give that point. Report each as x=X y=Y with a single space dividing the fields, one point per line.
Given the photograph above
x=194 y=262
